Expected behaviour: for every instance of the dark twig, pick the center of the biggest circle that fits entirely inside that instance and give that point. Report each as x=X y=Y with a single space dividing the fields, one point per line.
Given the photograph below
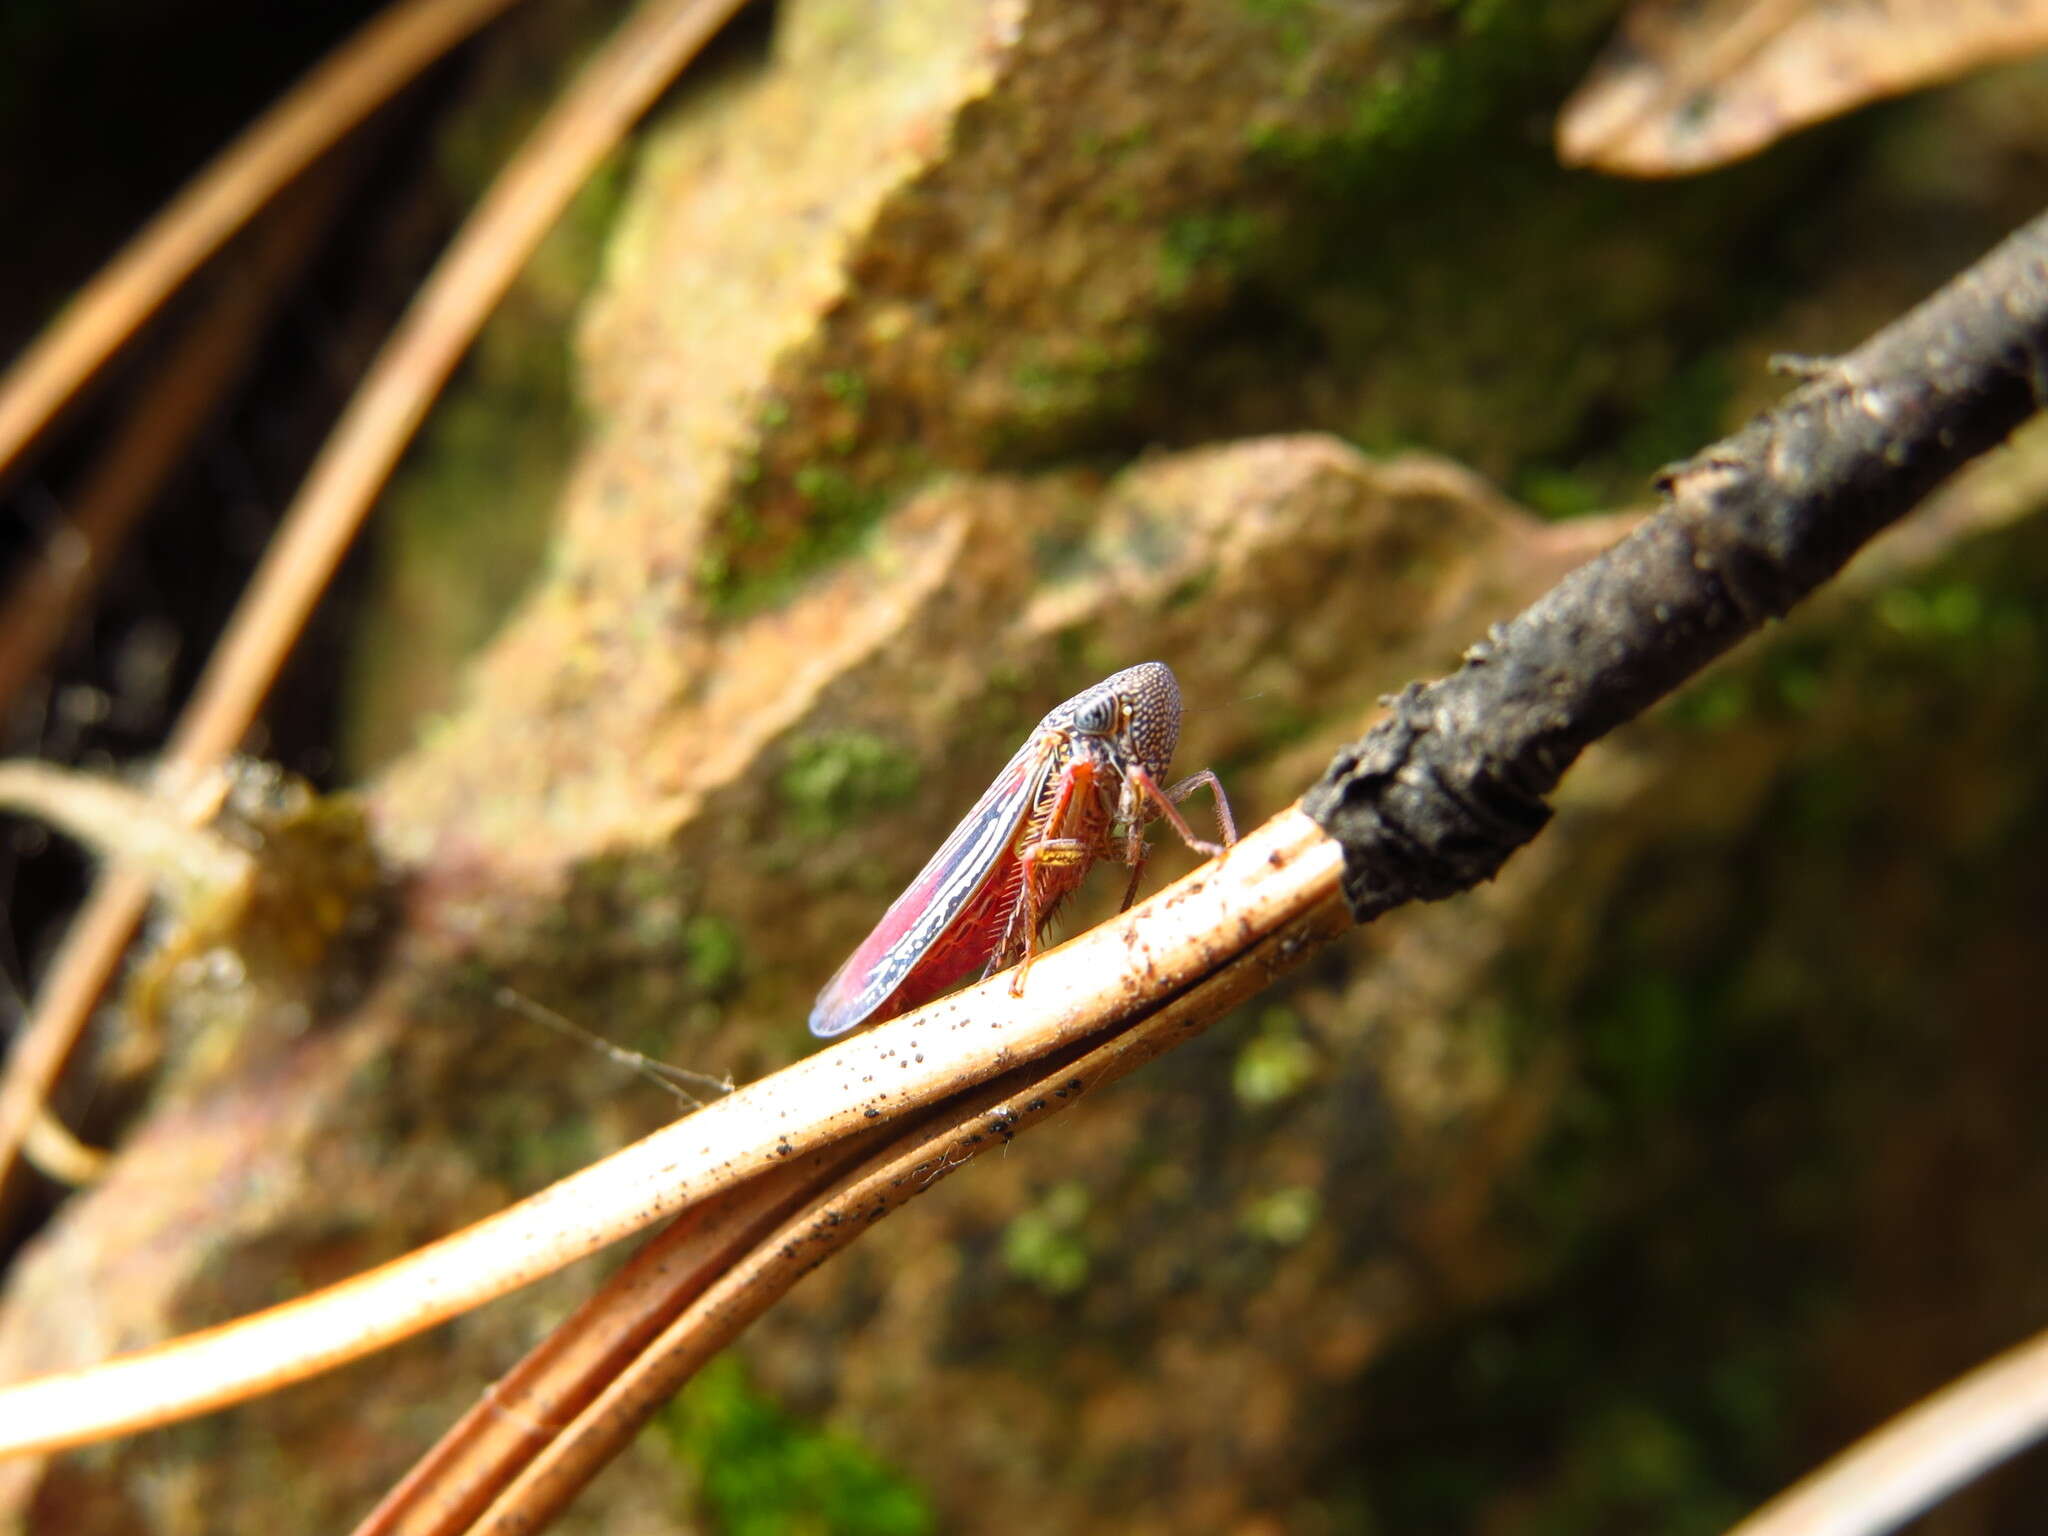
x=1434 y=799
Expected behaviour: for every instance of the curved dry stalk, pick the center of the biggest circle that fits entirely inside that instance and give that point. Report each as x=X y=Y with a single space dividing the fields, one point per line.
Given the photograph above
x=513 y=1422
x=151 y=843
x=159 y=427
x=1927 y=1452
x=988 y=1117
x=1266 y=882
x=127 y=824
x=619 y=83
x=58 y=1155
x=352 y=82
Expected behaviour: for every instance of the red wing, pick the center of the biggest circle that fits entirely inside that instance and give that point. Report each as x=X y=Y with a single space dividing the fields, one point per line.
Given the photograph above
x=920 y=917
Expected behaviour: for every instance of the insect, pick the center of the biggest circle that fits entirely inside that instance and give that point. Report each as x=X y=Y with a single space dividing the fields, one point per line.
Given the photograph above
x=1081 y=788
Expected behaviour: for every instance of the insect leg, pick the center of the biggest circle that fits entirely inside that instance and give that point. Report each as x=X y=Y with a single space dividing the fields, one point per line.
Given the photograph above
x=1165 y=798
x=1134 y=853
x=1225 y=822
x=1050 y=850
x=1137 y=863
x=1037 y=849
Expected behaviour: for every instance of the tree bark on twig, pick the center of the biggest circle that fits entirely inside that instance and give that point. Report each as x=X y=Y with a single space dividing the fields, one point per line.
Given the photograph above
x=1437 y=796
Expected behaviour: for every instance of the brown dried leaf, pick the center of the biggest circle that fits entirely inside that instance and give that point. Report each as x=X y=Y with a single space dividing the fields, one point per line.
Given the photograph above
x=1688 y=86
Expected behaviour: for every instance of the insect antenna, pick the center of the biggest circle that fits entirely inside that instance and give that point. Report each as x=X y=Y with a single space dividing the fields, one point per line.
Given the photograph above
x=1188 y=711
x=675 y=1080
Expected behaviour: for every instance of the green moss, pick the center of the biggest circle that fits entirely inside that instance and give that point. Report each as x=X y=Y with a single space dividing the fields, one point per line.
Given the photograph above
x=1716 y=703
x=1276 y=1063
x=762 y=1472
x=1209 y=244
x=834 y=498
x=1425 y=253
x=1284 y=1217
x=1414 y=106
x=1450 y=86
x=1189 y=591
x=1778 y=687
x=844 y=385
x=1949 y=610
x=1068 y=396
x=519 y=1140
x=1655 y=1046
x=1036 y=380
x=713 y=952
x=1688 y=407
x=839 y=507
x=1280 y=12
x=1047 y=1246
x=1795 y=674
x=1630 y=1462
x=1496 y=53
x=1653 y=1042
x=1911 y=634
x=835 y=779
x=1110 y=148
x=1559 y=493
x=1054 y=393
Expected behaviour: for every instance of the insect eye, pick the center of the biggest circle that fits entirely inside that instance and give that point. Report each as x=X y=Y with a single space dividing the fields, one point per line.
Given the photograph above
x=1096 y=718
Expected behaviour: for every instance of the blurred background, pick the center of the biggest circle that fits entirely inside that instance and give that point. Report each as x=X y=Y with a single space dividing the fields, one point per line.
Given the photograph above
x=913 y=366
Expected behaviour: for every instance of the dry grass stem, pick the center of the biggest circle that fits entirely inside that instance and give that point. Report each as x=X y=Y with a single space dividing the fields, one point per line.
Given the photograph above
x=1920 y=1457
x=987 y=1118
x=126 y=824
x=452 y=1485
x=1264 y=884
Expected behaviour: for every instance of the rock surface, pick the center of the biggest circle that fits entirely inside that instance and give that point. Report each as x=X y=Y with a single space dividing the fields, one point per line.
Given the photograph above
x=897 y=304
